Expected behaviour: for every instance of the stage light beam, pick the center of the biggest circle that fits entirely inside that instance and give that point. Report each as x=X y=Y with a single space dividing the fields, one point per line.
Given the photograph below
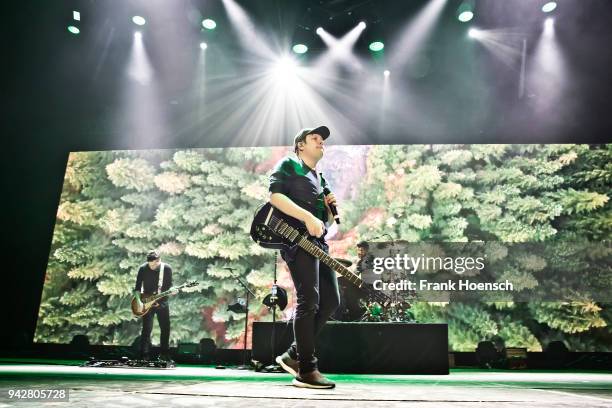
x=547 y=76
x=285 y=70
x=549 y=26
x=142 y=117
x=140 y=68
x=203 y=46
x=250 y=38
x=340 y=50
x=415 y=34
x=505 y=44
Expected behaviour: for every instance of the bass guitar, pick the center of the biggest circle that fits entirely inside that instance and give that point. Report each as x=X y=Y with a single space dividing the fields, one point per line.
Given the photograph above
x=274 y=229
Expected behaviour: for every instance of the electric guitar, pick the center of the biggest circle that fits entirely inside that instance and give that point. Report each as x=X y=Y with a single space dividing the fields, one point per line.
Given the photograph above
x=274 y=229
x=149 y=301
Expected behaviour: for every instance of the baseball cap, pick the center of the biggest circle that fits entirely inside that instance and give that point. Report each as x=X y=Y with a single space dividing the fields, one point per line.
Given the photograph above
x=301 y=135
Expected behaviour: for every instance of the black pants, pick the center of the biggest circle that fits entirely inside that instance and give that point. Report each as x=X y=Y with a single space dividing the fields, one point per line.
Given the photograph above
x=163 y=318
x=317 y=299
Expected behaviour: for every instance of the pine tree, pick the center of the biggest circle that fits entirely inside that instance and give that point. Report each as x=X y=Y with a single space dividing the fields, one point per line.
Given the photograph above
x=195 y=207
x=506 y=193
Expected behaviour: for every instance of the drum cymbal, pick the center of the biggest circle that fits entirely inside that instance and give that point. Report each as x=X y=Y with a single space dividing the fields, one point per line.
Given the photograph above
x=344 y=262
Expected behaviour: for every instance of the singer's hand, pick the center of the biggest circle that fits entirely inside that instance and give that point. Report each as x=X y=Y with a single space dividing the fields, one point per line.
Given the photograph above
x=330 y=199
x=314 y=226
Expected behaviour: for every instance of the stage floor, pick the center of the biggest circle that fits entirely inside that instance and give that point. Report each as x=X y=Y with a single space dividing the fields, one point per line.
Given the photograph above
x=206 y=386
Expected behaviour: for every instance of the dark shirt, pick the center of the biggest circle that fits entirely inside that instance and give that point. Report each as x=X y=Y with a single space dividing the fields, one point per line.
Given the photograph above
x=293 y=178
x=147 y=279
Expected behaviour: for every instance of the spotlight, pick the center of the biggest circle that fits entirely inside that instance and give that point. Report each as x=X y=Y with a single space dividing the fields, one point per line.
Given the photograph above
x=286 y=65
x=76 y=16
x=386 y=73
x=284 y=70
x=550 y=6
x=473 y=33
x=203 y=46
x=300 y=48
x=465 y=16
x=376 y=46
x=209 y=24
x=137 y=35
x=465 y=12
x=74 y=30
x=319 y=31
x=362 y=25
x=138 y=20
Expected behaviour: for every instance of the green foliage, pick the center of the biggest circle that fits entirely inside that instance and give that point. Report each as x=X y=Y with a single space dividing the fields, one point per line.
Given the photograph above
x=569 y=317
x=507 y=193
x=195 y=207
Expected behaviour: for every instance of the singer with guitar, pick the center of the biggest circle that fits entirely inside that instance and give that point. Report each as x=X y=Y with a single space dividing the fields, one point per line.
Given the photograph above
x=149 y=281
x=298 y=190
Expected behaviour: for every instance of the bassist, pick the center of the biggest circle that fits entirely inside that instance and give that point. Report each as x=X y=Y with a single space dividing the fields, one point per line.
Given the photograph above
x=297 y=190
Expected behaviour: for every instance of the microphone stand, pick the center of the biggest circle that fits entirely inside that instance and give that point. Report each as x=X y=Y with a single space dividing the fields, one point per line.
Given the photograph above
x=273 y=367
x=244 y=365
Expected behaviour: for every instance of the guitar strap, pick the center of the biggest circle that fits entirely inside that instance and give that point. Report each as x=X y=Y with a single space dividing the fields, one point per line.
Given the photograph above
x=161 y=277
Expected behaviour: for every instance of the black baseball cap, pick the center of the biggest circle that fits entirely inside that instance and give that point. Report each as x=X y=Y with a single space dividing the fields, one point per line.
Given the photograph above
x=152 y=255
x=301 y=135
x=363 y=244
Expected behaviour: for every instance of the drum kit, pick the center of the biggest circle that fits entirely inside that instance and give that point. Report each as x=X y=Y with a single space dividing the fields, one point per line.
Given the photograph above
x=356 y=306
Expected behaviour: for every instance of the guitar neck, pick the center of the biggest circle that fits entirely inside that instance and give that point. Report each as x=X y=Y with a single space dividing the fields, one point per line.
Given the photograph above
x=282 y=228
x=335 y=266
x=165 y=293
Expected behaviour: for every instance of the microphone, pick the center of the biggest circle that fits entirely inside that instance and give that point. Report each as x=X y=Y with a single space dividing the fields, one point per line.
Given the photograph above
x=332 y=207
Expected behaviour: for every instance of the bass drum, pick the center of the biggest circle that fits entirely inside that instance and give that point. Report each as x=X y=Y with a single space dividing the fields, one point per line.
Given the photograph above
x=351 y=307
